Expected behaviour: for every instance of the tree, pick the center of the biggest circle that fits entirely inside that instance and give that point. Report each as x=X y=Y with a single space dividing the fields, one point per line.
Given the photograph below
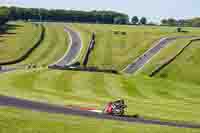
x=172 y=22
x=164 y=22
x=143 y=21
x=34 y=14
x=135 y=20
x=4 y=14
x=195 y=22
x=181 y=22
x=121 y=20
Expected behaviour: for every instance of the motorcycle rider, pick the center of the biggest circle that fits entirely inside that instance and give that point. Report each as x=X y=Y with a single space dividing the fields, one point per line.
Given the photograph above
x=115 y=108
x=109 y=108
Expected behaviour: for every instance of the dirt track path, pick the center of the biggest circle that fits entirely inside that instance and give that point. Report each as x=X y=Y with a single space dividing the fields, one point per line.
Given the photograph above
x=42 y=107
x=147 y=56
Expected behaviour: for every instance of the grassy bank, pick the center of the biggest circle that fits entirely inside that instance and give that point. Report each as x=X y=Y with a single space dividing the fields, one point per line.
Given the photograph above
x=164 y=55
x=184 y=68
x=117 y=46
x=52 y=48
x=155 y=98
x=18 y=39
x=23 y=121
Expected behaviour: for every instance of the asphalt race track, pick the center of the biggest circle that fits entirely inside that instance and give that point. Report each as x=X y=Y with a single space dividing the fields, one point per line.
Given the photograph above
x=147 y=56
x=4 y=69
x=74 y=48
x=71 y=54
x=42 y=107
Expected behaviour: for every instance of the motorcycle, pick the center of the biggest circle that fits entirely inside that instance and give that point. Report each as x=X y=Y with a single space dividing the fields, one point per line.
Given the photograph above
x=116 y=108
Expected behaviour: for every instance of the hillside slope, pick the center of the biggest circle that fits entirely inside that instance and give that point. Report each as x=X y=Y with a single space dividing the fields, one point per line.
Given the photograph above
x=117 y=46
x=155 y=98
x=23 y=121
x=52 y=48
x=19 y=38
x=186 y=65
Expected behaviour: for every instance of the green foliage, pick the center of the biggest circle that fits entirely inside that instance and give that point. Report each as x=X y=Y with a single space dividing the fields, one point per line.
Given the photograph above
x=4 y=14
x=143 y=21
x=135 y=20
x=164 y=21
x=121 y=20
x=172 y=22
x=67 y=15
x=195 y=22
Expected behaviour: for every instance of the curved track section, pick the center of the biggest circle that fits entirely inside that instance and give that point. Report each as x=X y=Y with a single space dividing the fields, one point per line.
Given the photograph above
x=147 y=56
x=41 y=107
x=5 y=69
x=75 y=47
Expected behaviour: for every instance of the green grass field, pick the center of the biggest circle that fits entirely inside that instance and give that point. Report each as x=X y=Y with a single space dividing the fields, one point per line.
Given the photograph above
x=164 y=55
x=184 y=68
x=148 y=97
x=23 y=121
x=52 y=48
x=19 y=38
x=116 y=50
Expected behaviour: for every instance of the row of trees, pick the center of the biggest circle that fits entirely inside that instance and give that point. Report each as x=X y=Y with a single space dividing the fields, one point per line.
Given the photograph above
x=35 y=14
x=195 y=22
x=135 y=20
x=4 y=15
x=108 y=17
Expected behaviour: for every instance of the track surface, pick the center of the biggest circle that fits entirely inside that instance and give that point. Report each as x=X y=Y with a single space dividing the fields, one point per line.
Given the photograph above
x=70 y=55
x=147 y=56
x=74 y=48
x=4 y=69
x=42 y=107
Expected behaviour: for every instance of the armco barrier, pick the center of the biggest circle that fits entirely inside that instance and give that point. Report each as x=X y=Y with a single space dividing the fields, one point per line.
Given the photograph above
x=86 y=69
x=159 y=68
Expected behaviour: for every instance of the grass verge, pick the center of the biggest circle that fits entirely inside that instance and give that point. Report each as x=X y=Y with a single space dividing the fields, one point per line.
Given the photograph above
x=52 y=48
x=23 y=121
x=117 y=46
x=147 y=97
x=19 y=38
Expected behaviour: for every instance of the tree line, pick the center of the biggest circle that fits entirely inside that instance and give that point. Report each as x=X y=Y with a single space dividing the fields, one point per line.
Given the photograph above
x=102 y=17
x=4 y=15
x=195 y=22
x=35 y=14
x=135 y=20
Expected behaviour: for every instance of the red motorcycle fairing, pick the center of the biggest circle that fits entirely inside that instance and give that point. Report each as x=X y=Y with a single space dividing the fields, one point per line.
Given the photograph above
x=109 y=108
